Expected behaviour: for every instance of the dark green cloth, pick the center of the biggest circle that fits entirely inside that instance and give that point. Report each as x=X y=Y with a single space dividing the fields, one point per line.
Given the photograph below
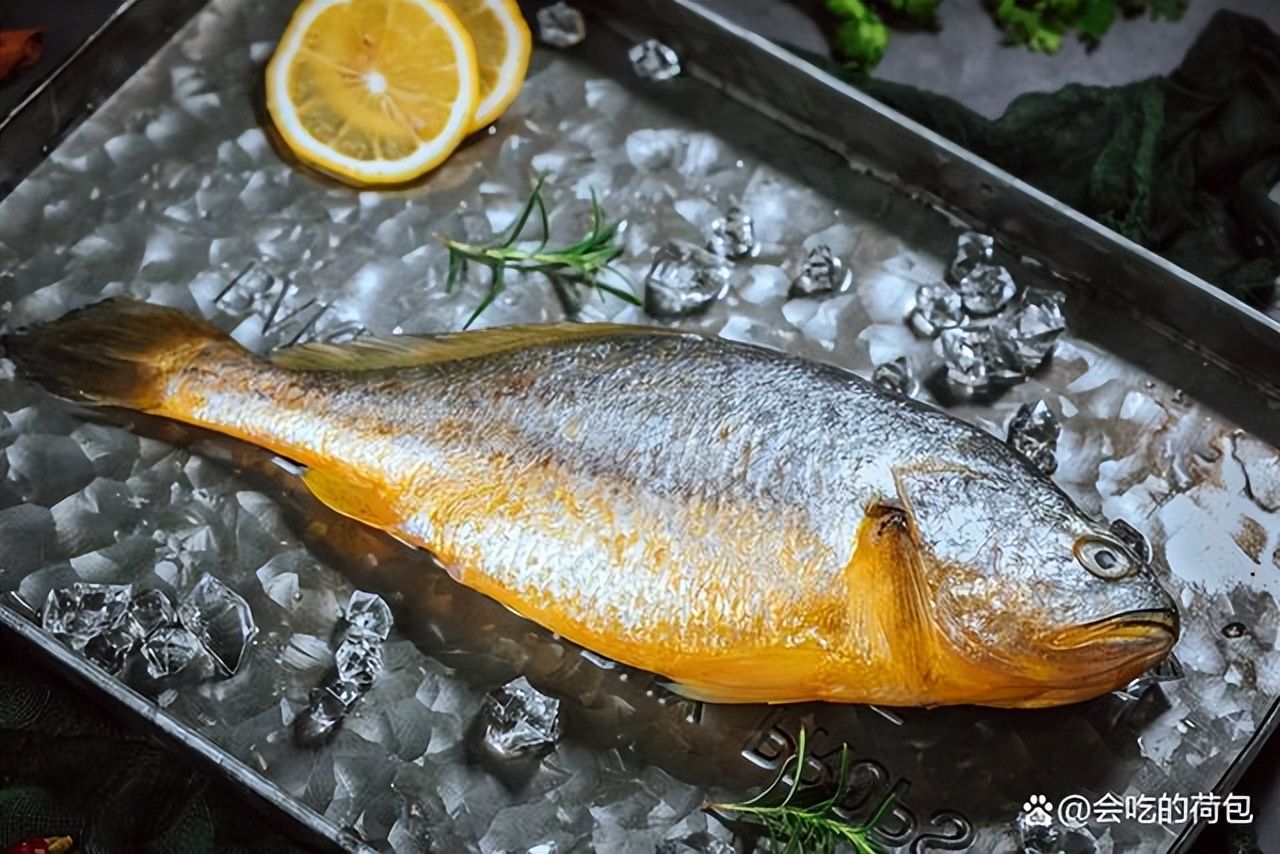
x=69 y=769
x=1181 y=164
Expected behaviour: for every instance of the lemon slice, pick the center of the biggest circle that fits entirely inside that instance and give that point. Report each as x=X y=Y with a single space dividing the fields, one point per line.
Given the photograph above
x=373 y=91
x=503 y=44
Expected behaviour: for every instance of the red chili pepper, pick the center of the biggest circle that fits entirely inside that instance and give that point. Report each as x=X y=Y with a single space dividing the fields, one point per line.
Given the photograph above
x=19 y=49
x=41 y=845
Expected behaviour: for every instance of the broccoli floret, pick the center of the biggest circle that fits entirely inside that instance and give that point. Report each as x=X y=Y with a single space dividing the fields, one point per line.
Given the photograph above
x=1041 y=24
x=860 y=35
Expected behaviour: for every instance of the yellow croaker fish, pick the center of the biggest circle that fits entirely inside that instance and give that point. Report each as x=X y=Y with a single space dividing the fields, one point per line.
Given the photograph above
x=754 y=527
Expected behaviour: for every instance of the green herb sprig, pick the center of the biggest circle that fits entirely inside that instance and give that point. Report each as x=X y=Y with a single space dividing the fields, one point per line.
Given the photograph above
x=580 y=263
x=815 y=829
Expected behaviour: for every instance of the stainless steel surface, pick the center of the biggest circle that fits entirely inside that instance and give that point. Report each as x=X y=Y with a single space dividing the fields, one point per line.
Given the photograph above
x=172 y=192
x=1028 y=222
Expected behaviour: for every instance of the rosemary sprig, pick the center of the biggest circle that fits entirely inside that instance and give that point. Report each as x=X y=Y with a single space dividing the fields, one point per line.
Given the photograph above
x=579 y=263
x=815 y=829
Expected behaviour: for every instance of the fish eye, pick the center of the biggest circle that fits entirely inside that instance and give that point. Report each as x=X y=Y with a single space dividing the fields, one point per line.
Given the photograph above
x=1104 y=558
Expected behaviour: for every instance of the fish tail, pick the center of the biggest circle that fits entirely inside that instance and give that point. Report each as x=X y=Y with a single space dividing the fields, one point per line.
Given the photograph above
x=120 y=352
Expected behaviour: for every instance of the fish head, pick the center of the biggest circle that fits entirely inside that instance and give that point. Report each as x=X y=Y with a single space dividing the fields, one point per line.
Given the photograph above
x=1034 y=602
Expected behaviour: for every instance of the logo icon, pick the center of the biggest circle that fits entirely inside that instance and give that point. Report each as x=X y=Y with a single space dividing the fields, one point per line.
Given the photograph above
x=1037 y=812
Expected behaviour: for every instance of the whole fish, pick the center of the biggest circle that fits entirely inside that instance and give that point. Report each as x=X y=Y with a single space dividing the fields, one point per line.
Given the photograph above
x=752 y=526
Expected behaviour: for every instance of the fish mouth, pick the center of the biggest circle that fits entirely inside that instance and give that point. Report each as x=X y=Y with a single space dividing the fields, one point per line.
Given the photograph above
x=1154 y=627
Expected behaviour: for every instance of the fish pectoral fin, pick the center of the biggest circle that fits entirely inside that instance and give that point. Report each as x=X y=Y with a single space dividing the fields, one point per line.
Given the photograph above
x=372 y=353
x=353 y=495
x=890 y=616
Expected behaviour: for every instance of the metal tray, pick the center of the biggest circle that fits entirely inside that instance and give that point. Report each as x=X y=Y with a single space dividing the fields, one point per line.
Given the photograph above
x=172 y=192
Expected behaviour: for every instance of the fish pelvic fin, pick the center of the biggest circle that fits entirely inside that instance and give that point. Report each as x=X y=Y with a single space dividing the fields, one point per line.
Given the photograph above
x=354 y=495
x=405 y=351
x=120 y=352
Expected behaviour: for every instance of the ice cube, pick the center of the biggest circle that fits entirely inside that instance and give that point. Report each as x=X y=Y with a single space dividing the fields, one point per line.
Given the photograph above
x=149 y=610
x=986 y=289
x=733 y=235
x=1132 y=538
x=109 y=649
x=359 y=660
x=368 y=614
x=221 y=619
x=77 y=613
x=821 y=273
x=653 y=60
x=1169 y=670
x=1035 y=323
x=684 y=280
x=895 y=376
x=961 y=350
x=938 y=307
x=1033 y=433
x=972 y=250
x=169 y=650
x=516 y=721
x=561 y=25
x=319 y=722
x=1004 y=367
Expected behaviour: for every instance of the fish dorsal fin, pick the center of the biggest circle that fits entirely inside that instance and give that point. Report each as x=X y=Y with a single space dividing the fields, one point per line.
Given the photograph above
x=403 y=351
